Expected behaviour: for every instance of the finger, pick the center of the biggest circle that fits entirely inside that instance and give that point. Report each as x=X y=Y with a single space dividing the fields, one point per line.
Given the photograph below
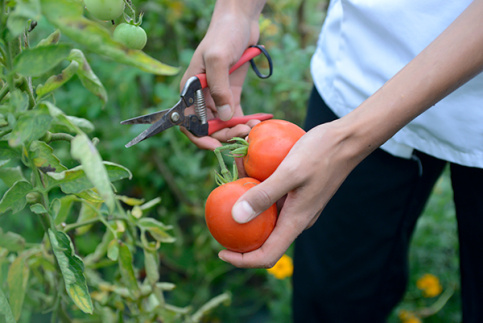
x=226 y=134
x=196 y=66
x=217 y=67
x=240 y=167
x=261 y=197
x=253 y=123
x=205 y=142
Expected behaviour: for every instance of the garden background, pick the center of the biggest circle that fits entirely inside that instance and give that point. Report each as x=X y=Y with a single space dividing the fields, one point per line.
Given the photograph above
x=144 y=252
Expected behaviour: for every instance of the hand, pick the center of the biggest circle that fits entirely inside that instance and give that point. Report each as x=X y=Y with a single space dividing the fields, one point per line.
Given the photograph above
x=233 y=28
x=309 y=176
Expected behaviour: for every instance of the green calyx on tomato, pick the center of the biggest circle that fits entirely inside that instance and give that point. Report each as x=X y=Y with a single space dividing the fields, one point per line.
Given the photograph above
x=105 y=9
x=130 y=35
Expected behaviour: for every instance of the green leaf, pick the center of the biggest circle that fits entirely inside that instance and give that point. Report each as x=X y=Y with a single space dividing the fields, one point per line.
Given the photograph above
x=60 y=117
x=43 y=156
x=101 y=248
x=113 y=250
x=24 y=11
x=3 y=121
x=38 y=208
x=90 y=195
x=5 y=309
x=19 y=101
x=39 y=60
x=63 y=209
x=74 y=180
x=70 y=123
x=56 y=81
x=10 y=175
x=11 y=241
x=72 y=269
x=88 y=211
x=83 y=124
x=150 y=204
x=14 y=197
x=156 y=229
x=18 y=276
x=136 y=212
x=86 y=153
x=127 y=270
x=30 y=126
x=151 y=264
x=90 y=80
x=131 y=201
x=67 y=16
x=6 y=152
x=52 y=39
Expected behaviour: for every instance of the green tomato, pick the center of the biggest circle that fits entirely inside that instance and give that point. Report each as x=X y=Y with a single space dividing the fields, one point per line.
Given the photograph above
x=105 y=9
x=131 y=36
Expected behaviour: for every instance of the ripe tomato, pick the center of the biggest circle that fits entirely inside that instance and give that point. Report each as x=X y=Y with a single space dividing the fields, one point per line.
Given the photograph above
x=268 y=144
x=105 y=9
x=229 y=233
x=132 y=36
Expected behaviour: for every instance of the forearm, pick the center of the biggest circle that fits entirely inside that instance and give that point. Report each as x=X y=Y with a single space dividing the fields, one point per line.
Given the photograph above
x=249 y=8
x=448 y=62
x=236 y=15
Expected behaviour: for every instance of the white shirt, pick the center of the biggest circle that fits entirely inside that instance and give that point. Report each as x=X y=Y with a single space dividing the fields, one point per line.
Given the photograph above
x=363 y=43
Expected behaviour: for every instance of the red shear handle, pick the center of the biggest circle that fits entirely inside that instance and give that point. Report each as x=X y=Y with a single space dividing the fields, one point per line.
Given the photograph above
x=247 y=55
x=215 y=125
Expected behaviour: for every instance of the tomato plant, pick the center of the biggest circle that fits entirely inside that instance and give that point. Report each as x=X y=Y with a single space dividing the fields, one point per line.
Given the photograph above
x=91 y=257
x=105 y=9
x=266 y=146
x=131 y=35
x=229 y=233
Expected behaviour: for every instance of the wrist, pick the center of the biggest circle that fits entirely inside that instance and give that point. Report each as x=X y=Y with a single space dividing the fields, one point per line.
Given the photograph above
x=353 y=138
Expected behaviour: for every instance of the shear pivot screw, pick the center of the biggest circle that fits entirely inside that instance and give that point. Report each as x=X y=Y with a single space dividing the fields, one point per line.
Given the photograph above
x=175 y=117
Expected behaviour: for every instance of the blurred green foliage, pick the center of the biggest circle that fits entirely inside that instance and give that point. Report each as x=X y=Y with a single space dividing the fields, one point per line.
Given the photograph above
x=169 y=167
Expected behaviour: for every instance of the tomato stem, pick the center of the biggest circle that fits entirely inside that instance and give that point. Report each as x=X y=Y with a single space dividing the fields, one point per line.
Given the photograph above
x=238 y=149
x=226 y=176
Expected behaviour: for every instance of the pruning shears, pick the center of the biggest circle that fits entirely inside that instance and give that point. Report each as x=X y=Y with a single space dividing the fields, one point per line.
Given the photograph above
x=192 y=94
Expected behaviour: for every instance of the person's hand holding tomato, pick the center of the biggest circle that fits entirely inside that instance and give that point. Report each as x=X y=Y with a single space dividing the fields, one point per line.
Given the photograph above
x=310 y=174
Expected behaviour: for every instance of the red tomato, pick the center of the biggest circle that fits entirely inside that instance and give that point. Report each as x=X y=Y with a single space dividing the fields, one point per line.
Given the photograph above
x=268 y=144
x=229 y=233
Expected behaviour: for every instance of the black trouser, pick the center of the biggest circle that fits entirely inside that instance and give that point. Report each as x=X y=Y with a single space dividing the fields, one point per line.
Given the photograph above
x=352 y=265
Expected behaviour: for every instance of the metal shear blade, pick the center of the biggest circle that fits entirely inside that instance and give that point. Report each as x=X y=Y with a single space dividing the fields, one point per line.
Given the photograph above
x=161 y=121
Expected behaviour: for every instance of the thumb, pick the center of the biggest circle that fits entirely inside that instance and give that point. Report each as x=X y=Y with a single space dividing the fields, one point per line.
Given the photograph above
x=258 y=199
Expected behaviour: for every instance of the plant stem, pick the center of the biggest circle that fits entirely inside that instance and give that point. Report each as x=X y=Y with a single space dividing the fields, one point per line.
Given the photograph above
x=100 y=218
x=438 y=304
x=76 y=225
x=4 y=91
x=225 y=173
x=61 y=136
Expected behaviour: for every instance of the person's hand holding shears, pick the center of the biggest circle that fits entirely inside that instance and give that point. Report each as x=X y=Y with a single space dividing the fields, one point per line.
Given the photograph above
x=191 y=113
